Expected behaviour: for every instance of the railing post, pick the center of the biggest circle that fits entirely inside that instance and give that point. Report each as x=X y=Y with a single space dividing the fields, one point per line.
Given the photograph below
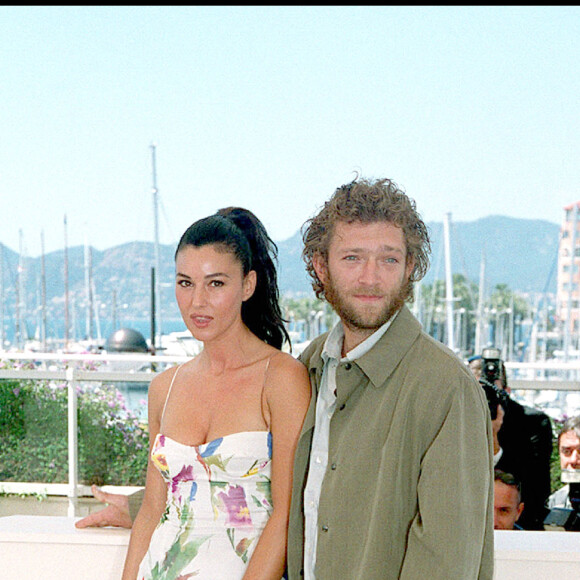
x=72 y=442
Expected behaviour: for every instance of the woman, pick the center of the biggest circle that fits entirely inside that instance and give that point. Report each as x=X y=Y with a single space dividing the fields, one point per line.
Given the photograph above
x=224 y=425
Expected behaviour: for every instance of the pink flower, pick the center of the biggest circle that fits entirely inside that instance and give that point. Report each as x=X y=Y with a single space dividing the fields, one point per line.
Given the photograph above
x=186 y=474
x=236 y=506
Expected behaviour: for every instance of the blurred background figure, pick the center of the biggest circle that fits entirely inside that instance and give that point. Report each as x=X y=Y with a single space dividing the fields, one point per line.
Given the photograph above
x=569 y=451
x=507 y=501
x=523 y=438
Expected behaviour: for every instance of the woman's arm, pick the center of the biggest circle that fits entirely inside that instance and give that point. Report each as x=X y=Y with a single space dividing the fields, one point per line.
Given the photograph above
x=287 y=394
x=155 y=496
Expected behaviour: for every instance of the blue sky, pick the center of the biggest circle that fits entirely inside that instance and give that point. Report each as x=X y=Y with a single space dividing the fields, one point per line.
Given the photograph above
x=472 y=110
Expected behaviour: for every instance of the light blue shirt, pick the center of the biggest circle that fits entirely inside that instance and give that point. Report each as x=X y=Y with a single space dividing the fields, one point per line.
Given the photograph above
x=325 y=406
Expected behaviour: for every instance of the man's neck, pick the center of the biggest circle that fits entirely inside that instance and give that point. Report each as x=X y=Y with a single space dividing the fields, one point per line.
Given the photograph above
x=352 y=338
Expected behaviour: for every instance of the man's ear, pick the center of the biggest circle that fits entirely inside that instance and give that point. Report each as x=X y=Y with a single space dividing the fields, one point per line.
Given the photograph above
x=320 y=267
x=249 y=285
x=409 y=265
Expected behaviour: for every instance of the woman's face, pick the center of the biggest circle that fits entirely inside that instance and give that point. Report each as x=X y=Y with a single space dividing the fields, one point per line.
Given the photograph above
x=210 y=288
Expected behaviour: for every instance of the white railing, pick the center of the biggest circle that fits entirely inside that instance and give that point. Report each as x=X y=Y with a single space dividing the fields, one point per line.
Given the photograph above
x=72 y=375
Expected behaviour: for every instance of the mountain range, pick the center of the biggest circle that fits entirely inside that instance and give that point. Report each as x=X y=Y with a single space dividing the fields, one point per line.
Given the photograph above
x=520 y=253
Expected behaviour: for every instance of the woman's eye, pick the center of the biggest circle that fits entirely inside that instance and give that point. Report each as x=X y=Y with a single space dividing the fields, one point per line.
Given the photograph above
x=183 y=283
x=216 y=283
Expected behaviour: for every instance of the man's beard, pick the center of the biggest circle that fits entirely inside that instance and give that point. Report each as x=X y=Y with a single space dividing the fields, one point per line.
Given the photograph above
x=358 y=318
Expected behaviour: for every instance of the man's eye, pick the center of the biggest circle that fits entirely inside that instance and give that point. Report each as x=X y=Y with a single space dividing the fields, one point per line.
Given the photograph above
x=216 y=283
x=183 y=283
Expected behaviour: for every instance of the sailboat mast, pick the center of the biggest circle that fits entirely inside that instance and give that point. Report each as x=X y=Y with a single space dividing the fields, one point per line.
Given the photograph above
x=43 y=292
x=156 y=246
x=479 y=322
x=448 y=284
x=19 y=294
x=66 y=294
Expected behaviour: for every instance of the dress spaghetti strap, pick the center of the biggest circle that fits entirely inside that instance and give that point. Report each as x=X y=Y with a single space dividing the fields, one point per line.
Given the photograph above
x=264 y=387
x=168 y=393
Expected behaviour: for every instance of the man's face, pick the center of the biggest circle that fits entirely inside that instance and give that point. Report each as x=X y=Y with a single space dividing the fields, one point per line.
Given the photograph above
x=366 y=274
x=506 y=506
x=569 y=448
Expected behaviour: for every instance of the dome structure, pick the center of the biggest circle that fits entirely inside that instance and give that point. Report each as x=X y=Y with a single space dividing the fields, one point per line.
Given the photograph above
x=126 y=340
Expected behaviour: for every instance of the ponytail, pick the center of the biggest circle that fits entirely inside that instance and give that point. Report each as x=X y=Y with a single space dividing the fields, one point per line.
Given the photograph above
x=242 y=233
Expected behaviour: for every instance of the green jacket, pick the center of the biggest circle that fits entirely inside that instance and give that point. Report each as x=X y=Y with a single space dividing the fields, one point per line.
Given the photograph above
x=408 y=492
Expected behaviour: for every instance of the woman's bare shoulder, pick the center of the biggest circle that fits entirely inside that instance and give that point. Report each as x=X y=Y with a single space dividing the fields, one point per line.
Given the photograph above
x=285 y=369
x=285 y=362
x=160 y=383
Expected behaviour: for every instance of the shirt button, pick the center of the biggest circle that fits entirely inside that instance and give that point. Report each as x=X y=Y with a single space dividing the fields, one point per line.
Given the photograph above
x=318 y=460
x=325 y=528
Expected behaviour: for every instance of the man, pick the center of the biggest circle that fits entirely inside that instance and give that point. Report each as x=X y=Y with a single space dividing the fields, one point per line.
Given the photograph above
x=569 y=450
x=522 y=447
x=394 y=413
x=507 y=501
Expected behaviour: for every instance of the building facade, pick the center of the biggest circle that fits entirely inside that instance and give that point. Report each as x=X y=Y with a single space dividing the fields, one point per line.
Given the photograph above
x=568 y=289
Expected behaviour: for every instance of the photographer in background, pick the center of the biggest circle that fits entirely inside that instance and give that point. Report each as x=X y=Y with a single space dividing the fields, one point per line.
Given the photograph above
x=569 y=450
x=524 y=438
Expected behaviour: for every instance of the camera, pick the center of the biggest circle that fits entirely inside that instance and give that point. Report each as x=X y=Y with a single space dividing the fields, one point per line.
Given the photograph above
x=566 y=519
x=491 y=372
x=491 y=364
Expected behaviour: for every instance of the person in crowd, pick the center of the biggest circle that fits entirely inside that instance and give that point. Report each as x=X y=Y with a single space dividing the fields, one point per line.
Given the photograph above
x=507 y=501
x=224 y=425
x=569 y=451
x=393 y=412
x=523 y=447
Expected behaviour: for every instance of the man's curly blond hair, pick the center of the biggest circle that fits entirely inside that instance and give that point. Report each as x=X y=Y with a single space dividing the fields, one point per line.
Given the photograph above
x=368 y=201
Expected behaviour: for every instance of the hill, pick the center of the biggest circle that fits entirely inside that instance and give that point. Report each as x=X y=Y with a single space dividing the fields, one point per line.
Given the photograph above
x=520 y=253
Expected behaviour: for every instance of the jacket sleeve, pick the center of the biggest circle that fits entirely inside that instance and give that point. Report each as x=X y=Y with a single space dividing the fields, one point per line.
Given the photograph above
x=451 y=537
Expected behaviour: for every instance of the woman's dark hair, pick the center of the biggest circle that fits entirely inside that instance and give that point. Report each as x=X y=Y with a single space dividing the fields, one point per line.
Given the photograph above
x=239 y=231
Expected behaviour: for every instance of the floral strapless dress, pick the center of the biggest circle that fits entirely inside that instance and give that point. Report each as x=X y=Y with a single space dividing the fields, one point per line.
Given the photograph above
x=218 y=502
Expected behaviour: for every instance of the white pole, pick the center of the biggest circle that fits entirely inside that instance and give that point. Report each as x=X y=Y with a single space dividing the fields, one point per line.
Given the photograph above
x=157 y=289
x=479 y=322
x=72 y=442
x=449 y=284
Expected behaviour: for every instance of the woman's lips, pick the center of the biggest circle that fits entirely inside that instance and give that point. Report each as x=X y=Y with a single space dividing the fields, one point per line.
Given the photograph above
x=200 y=321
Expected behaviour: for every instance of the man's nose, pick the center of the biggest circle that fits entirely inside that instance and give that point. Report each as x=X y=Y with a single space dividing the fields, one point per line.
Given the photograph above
x=369 y=272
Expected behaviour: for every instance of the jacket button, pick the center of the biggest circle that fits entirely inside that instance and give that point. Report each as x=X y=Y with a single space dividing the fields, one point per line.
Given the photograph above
x=348 y=366
x=333 y=466
x=341 y=408
x=325 y=528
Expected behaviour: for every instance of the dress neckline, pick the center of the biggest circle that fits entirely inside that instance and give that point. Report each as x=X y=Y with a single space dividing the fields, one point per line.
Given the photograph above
x=197 y=446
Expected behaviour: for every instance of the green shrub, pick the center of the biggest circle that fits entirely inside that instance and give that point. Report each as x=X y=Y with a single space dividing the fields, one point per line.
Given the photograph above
x=112 y=444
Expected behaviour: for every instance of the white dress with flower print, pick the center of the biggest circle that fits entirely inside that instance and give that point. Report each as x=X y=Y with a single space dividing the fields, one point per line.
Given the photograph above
x=218 y=502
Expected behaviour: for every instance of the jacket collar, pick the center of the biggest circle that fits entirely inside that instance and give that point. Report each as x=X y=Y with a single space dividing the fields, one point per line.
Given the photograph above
x=383 y=358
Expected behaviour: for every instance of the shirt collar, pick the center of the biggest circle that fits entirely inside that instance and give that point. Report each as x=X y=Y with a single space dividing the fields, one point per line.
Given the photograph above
x=333 y=344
